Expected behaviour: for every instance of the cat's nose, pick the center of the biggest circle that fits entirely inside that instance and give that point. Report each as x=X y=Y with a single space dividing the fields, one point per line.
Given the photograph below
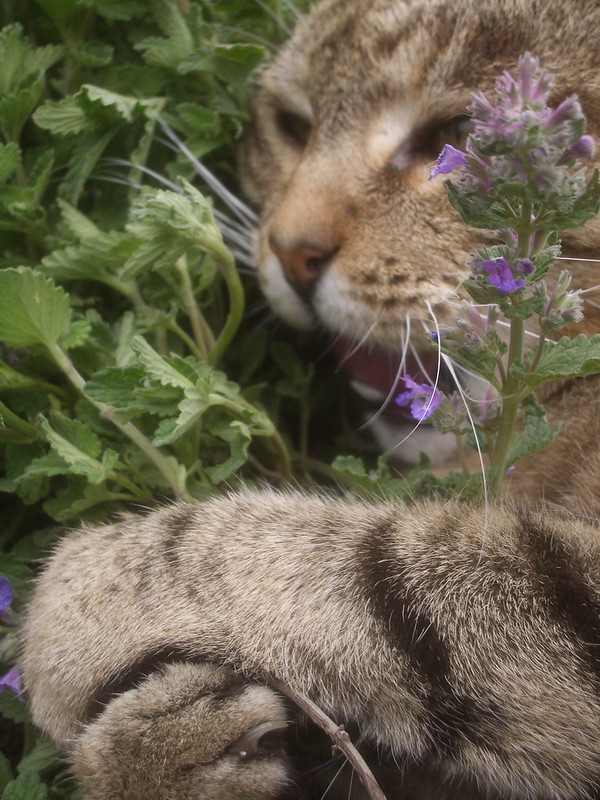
x=302 y=265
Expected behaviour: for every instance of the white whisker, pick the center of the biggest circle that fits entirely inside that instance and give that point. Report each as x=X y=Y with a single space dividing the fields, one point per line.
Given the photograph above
x=239 y=208
x=359 y=344
x=401 y=366
x=589 y=260
x=452 y=371
x=590 y=289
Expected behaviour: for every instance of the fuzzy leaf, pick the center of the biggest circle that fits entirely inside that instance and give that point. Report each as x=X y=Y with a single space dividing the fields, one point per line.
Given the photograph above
x=567 y=358
x=162 y=369
x=28 y=786
x=537 y=434
x=6 y=774
x=10 y=156
x=32 y=309
x=42 y=756
x=238 y=437
x=78 y=446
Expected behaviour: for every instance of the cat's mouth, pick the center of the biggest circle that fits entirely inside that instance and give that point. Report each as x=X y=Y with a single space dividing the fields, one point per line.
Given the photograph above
x=378 y=375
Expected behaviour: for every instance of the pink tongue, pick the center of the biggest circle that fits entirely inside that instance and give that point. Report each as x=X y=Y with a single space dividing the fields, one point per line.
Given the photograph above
x=379 y=368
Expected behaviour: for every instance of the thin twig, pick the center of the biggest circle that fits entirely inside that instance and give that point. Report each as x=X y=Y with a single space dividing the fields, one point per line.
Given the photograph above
x=337 y=735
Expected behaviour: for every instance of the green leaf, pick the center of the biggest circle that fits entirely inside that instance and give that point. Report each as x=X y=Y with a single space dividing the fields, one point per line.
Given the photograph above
x=91 y=54
x=20 y=61
x=77 y=445
x=162 y=369
x=168 y=225
x=537 y=434
x=64 y=117
x=116 y=386
x=6 y=774
x=77 y=500
x=567 y=358
x=117 y=9
x=14 y=708
x=238 y=437
x=10 y=156
x=41 y=757
x=32 y=309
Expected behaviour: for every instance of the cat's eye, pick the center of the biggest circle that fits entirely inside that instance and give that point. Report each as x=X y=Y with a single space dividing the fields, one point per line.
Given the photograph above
x=429 y=140
x=294 y=128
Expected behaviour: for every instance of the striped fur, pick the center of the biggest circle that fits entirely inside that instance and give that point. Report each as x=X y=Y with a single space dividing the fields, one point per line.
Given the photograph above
x=448 y=635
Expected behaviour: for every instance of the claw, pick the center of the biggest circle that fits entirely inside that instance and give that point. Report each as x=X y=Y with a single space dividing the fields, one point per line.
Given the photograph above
x=248 y=744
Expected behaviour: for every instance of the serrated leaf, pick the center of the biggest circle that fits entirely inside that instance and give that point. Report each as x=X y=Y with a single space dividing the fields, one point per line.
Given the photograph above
x=64 y=117
x=116 y=386
x=92 y=54
x=537 y=433
x=13 y=707
x=20 y=61
x=32 y=309
x=10 y=156
x=84 y=158
x=159 y=368
x=237 y=435
x=77 y=445
x=77 y=334
x=78 y=225
x=566 y=358
x=76 y=500
x=42 y=756
x=167 y=225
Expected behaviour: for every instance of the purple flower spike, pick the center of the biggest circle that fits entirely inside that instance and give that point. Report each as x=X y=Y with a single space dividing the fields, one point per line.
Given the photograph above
x=422 y=398
x=501 y=275
x=448 y=159
x=583 y=148
x=6 y=593
x=12 y=681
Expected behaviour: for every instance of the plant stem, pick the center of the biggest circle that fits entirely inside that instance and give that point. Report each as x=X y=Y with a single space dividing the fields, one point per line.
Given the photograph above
x=127 y=428
x=336 y=733
x=511 y=392
x=230 y=274
x=15 y=422
x=202 y=333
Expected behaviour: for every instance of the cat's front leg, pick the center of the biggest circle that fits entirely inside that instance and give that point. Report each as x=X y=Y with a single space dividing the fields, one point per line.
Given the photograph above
x=185 y=732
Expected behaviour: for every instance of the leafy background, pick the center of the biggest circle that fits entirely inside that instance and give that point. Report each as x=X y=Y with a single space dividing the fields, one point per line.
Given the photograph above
x=129 y=372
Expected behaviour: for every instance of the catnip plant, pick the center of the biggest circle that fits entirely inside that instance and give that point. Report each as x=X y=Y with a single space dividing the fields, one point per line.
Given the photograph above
x=520 y=174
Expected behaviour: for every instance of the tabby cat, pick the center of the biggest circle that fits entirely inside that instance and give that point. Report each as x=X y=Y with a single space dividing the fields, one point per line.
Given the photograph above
x=463 y=642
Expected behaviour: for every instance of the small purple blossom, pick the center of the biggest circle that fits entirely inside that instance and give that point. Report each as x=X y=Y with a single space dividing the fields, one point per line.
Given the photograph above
x=6 y=593
x=12 y=680
x=448 y=160
x=422 y=398
x=501 y=275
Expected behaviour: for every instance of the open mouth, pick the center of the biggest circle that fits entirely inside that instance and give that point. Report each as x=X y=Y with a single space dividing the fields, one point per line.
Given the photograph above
x=379 y=376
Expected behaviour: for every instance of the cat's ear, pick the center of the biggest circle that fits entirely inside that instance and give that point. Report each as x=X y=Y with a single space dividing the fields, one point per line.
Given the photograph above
x=188 y=731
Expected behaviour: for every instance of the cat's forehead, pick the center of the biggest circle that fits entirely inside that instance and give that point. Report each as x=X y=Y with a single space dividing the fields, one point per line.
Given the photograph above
x=352 y=59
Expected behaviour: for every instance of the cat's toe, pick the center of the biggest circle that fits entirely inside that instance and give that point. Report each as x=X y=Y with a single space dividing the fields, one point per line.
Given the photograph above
x=188 y=732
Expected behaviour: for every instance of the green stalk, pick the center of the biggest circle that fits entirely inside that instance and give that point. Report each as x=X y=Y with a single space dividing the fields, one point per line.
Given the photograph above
x=202 y=333
x=128 y=429
x=230 y=274
x=510 y=408
x=15 y=422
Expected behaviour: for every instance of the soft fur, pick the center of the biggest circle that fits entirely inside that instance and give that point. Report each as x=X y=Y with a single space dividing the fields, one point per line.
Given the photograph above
x=462 y=641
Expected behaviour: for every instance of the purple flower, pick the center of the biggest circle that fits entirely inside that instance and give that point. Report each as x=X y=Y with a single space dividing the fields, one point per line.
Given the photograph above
x=422 y=398
x=11 y=680
x=501 y=275
x=6 y=593
x=583 y=148
x=448 y=159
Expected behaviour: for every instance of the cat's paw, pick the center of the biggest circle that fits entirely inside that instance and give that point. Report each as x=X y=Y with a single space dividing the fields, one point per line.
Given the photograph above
x=187 y=732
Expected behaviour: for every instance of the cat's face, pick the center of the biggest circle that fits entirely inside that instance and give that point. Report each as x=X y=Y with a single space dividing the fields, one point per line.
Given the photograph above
x=348 y=121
